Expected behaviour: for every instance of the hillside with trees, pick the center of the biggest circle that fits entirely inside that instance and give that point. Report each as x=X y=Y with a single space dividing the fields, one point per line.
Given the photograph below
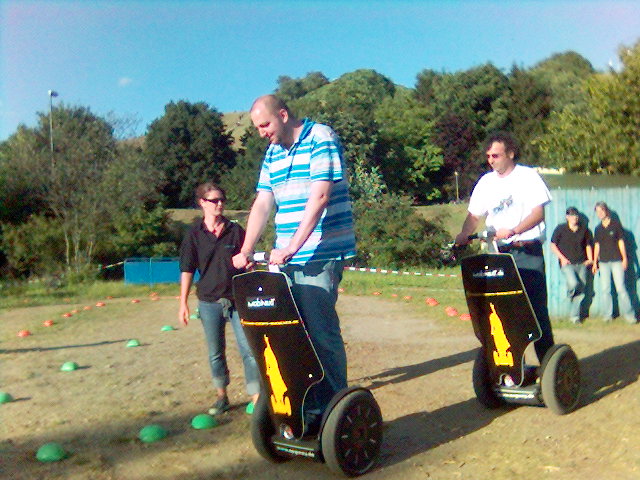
x=95 y=199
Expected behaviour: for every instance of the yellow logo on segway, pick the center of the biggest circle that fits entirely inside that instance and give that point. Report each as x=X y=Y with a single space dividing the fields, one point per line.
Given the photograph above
x=501 y=356
x=279 y=402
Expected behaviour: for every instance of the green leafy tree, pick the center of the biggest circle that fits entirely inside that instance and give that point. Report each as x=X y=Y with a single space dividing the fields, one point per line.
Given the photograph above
x=458 y=139
x=528 y=104
x=240 y=182
x=564 y=74
x=603 y=138
x=409 y=158
x=22 y=182
x=471 y=93
x=188 y=145
x=33 y=247
x=290 y=89
x=137 y=224
x=391 y=234
x=347 y=105
x=82 y=191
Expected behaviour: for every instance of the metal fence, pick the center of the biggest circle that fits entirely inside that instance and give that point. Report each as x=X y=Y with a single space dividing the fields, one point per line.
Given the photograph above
x=151 y=270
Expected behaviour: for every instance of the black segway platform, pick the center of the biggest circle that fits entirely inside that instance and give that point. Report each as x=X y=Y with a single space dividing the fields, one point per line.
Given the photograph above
x=351 y=430
x=505 y=323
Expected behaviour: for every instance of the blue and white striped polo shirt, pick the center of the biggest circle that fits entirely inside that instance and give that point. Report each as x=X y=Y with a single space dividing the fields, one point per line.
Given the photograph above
x=288 y=174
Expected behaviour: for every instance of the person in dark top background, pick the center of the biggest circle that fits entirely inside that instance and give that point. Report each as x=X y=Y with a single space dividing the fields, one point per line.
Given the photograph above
x=572 y=242
x=610 y=258
x=208 y=247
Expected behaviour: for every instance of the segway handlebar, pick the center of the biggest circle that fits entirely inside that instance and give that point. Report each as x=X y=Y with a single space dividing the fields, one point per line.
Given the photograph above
x=262 y=258
x=486 y=235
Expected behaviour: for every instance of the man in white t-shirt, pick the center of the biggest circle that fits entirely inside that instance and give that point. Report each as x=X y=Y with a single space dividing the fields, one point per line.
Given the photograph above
x=512 y=197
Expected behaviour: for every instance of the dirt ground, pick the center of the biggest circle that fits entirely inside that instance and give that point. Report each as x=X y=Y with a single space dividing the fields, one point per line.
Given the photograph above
x=418 y=369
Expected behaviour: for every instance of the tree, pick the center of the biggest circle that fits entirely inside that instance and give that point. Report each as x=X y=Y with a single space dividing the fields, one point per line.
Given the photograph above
x=189 y=146
x=137 y=224
x=528 y=105
x=240 y=182
x=290 y=89
x=81 y=190
x=471 y=93
x=347 y=105
x=20 y=196
x=604 y=137
x=458 y=138
x=465 y=106
x=390 y=234
x=409 y=158
x=563 y=75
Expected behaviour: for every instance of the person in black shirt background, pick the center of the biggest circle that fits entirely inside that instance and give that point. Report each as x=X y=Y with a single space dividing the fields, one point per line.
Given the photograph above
x=610 y=257
x=571 y=242
x=208 y=247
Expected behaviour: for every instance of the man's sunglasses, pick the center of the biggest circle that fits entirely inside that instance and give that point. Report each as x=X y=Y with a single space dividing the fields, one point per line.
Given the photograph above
x=216 y=201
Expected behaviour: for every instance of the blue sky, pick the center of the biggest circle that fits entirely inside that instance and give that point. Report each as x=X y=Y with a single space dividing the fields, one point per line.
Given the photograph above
x=133 y=57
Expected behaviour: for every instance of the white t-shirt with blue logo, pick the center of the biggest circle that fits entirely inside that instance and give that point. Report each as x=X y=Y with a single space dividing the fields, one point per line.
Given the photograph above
x=506 y=201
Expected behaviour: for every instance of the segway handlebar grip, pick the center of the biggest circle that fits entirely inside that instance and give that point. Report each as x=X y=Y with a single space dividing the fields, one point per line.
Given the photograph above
x=261 y=257
x=484 y=235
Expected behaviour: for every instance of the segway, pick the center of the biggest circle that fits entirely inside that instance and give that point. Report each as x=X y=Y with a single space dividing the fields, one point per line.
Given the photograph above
x=505 y=323
x=350 y=432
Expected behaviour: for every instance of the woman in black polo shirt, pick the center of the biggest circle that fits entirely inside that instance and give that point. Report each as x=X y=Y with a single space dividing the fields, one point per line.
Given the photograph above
x=610 y=257
x=208 y=247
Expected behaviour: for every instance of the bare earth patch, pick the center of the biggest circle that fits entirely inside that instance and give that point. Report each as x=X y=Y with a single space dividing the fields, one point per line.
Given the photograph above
x=418 y=369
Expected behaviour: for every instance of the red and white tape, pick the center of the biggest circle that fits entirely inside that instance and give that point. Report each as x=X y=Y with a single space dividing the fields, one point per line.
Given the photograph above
x=397 y=272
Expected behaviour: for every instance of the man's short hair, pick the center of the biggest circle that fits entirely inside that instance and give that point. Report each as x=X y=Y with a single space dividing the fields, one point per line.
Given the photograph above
x=572 y=211
x=510 y=144
x=273 y=103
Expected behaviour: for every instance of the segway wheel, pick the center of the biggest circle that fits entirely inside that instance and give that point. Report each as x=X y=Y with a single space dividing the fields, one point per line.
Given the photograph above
x=482 y=382
x=560 y=380
x=352 y=434
x=262 y=430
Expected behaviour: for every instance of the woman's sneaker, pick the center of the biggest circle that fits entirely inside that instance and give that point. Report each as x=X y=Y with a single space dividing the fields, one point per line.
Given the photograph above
x=221 y=405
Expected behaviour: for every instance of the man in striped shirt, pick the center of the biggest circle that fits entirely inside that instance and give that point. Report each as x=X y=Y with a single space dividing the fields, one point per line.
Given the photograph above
x=304 y=175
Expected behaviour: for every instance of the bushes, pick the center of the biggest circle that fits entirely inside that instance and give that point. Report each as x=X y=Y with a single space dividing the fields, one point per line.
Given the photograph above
x=34 y=247
x=391 y=234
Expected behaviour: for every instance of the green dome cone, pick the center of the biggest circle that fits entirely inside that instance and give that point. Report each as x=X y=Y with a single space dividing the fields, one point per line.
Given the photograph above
x=50 y=452
x=167 y=328
x=69 y=366
x=5 y=397
x=204 y=420
x=133 y=343
x=249 y=409
x=152 y=433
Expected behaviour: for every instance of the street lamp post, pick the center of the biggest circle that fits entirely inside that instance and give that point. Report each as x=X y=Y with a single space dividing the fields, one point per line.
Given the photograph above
x=457 y=195
x=52 y=93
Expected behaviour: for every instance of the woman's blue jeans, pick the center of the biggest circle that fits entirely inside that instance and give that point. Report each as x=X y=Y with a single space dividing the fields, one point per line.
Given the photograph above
x=614 y=270
x=575 y=274
x=213 y=323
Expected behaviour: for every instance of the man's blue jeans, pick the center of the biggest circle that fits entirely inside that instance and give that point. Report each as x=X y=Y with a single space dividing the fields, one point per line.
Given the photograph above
x=530 y=263
x=576 y=277
x=213 y=323
x=615 y=270
x=315 y=290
